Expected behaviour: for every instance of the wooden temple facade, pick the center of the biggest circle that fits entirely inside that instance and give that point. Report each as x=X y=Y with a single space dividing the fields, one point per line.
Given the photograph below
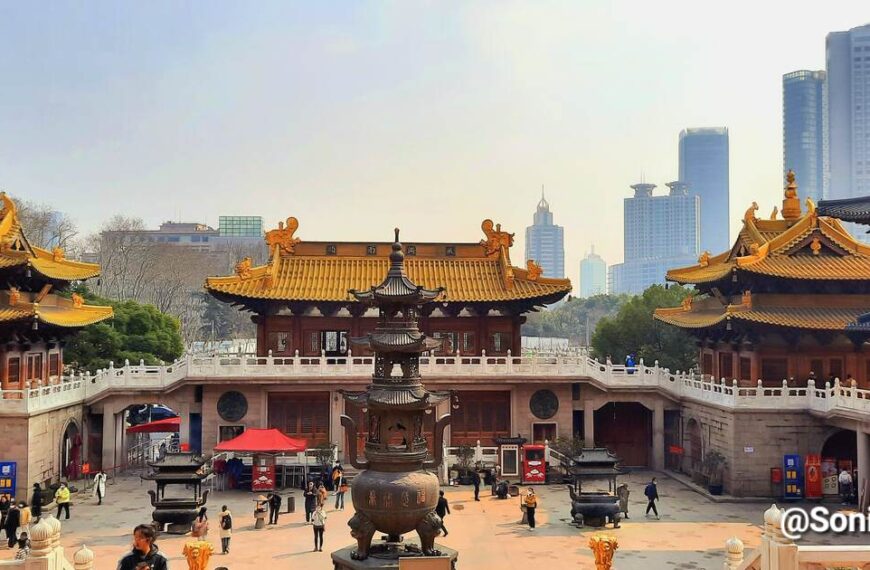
x=302 y=306
x=34 y=319
x=783 y=303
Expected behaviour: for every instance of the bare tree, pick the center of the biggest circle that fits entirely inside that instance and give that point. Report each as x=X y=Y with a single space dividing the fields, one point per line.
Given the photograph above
x=45 y=227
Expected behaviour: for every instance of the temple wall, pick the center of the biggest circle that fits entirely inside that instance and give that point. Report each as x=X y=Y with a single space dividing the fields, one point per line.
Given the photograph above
x=256 y=416
x=523 y=419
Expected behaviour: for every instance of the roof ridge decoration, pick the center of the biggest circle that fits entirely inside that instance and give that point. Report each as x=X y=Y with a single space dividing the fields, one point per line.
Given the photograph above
x=496 y=239
x=534 y=270
x=791 y=204
x=281 y=241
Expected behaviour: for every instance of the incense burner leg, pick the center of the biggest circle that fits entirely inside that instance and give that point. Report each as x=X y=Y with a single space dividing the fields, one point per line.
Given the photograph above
x=362 y=529
x=428 y=528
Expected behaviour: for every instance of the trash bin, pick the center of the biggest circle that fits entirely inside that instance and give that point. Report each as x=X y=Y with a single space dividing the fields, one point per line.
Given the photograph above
x=291 y=504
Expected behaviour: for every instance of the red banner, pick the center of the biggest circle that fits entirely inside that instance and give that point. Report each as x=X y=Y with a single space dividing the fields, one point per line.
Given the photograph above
x=813 y=477
x=675 y=449
x=263 y=478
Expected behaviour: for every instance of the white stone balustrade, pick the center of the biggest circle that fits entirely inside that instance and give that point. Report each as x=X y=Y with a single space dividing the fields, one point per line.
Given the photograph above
x=86 y=388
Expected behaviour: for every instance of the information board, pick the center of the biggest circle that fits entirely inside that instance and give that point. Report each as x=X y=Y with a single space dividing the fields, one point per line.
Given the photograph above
x=7 y=478
x=793 y=477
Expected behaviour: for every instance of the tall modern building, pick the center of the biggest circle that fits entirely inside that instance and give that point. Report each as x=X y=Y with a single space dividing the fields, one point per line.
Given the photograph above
x=661 y=232
x=593 y=275
x=704 y=167
x=848 y=112
x=240 y=226
x=545 y=242
x=803 y=132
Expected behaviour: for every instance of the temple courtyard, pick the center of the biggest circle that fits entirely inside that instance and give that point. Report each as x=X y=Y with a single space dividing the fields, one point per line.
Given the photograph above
x=691 y=533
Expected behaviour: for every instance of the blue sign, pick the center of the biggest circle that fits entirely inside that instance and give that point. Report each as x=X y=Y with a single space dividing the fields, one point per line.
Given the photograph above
x=792 y=477
x=7 y=478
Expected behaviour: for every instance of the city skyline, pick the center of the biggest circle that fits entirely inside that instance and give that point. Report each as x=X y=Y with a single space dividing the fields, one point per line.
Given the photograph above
x=181 y=113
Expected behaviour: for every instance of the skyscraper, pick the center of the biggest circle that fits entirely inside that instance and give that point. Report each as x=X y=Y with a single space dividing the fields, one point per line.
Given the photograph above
x=545 y=242
x=803 y=131
x=704 y=167
x=593 y=275
x=661 y=232
x=848 y=116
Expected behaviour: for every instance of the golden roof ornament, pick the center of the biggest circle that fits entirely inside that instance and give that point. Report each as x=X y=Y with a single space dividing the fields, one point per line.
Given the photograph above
x=243 y=268
x=534 y=270
x=704 y=258
x=14 y=296
x=816 y=245
x=811 y=206
x=774 y=213
x=603 y=547
x=57 y=254
x=791 y=205
x=749 y=216
x=282 y=240
x=686 y=303
x=77 y=300
x=495 y=238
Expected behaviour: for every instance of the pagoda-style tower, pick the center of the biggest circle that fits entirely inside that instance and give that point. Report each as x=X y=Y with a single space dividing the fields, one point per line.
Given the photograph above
x=398 y=489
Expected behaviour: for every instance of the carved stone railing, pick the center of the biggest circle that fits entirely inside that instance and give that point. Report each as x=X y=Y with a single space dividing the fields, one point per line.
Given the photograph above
x=46 y=553
x=829 y=399
x=777 y=552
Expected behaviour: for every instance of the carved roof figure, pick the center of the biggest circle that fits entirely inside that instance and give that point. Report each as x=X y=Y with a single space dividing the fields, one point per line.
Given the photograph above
x=281 y=241
x=495 y=238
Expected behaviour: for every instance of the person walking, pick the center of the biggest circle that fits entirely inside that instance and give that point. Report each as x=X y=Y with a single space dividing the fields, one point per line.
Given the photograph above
x=337 y=476
x=61 y=497
x=274 y=507
x=24 y=519
x=475 y=480
x=226 y=522
x=442 y=509
x=13 y=520
x=322 y=495
x=100 y=486
x=845 y=480
x=652 y=495
x=531 y=503
x=339 y=495
x=4 y=510
x=145 y=553
x=622 y=492
x=200 y=525
x=318 y=521
x=36 y=502
x=310 y=495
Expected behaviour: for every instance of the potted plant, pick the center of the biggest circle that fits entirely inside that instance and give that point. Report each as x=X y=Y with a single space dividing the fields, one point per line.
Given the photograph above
x=464 y=456
x=714 y=467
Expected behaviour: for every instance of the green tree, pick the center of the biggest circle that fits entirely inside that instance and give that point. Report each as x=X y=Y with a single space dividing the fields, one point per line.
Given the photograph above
x=137 y=332
x=570 y=319
x=634 y=330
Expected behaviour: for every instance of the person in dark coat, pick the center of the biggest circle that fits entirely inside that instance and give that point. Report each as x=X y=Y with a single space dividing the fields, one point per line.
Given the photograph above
x=144 y=551
x=4 y=510
x=652 y=495
x=13 y=521
x=310 y=495
x=442 y=509
x=36 y=502
x=274 y=507
x=475 y=480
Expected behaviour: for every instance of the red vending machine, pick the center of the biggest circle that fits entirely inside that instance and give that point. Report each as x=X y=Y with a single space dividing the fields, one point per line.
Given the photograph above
x=813 y=477
x=534 y=464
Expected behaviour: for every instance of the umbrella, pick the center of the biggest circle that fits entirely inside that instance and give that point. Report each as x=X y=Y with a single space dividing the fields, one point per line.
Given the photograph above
x=167 y=425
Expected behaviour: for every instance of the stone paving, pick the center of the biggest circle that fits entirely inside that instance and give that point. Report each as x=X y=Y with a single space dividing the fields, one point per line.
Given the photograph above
x=690 y=535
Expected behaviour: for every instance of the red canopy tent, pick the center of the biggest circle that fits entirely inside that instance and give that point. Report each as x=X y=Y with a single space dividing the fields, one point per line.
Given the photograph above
x=167 y=425
x=256 y=440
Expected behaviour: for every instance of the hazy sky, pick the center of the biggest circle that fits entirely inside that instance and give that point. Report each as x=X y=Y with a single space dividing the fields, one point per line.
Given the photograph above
x=357 y=117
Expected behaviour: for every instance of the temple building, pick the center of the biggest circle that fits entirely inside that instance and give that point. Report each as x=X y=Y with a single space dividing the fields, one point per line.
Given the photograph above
x=36 y=316
x=776 y=306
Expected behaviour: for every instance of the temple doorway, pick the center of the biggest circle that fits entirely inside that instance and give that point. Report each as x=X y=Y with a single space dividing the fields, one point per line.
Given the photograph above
x=842 y=446
x=625 y=428
x=693 y=449
x=71 y=451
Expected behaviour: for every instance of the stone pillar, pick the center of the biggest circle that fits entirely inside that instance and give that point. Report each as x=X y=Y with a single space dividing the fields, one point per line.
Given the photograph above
x=863 y=446
x=658 y=436
x=588 y=423
x=109 y=430
x=336 y=432
x=184 y=429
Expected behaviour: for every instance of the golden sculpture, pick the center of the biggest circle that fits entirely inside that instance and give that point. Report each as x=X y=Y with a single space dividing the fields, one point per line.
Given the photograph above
x=704 y=259
x=57 y=254
x=746 y=299
x=243 y=268
x=77 y=300
x=753 y=249
x=791 y=187
x=495 y=238
x=774 y=213
x=816 y=245
x=14 y=296
x=749 y=216
x=686 y=303
x=197 y=553
x=8 y=217
x=282 y=240
x=791 y=205
x=603 y=546
x=534 y=270
x=811 y=206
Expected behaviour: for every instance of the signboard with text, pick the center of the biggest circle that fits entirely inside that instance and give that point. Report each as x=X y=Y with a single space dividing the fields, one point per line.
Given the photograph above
x=793 y=477
x=829 y=476
x=7 y=478
x=813 y=477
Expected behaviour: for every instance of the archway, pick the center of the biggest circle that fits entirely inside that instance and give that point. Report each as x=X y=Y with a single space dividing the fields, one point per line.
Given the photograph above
x=842 y=445
x=71 y=451
x=625 y=428
x=694 y=448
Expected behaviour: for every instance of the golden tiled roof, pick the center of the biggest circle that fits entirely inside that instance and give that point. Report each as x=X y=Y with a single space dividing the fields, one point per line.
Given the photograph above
x=806 y=247
x=300 y=271
x=50 y=309
x=832 y=314
x=15 y=251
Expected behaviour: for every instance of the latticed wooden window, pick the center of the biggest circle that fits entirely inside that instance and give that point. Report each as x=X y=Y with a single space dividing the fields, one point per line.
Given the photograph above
x=13 y=367
x=54 y=364
x=278 y=342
